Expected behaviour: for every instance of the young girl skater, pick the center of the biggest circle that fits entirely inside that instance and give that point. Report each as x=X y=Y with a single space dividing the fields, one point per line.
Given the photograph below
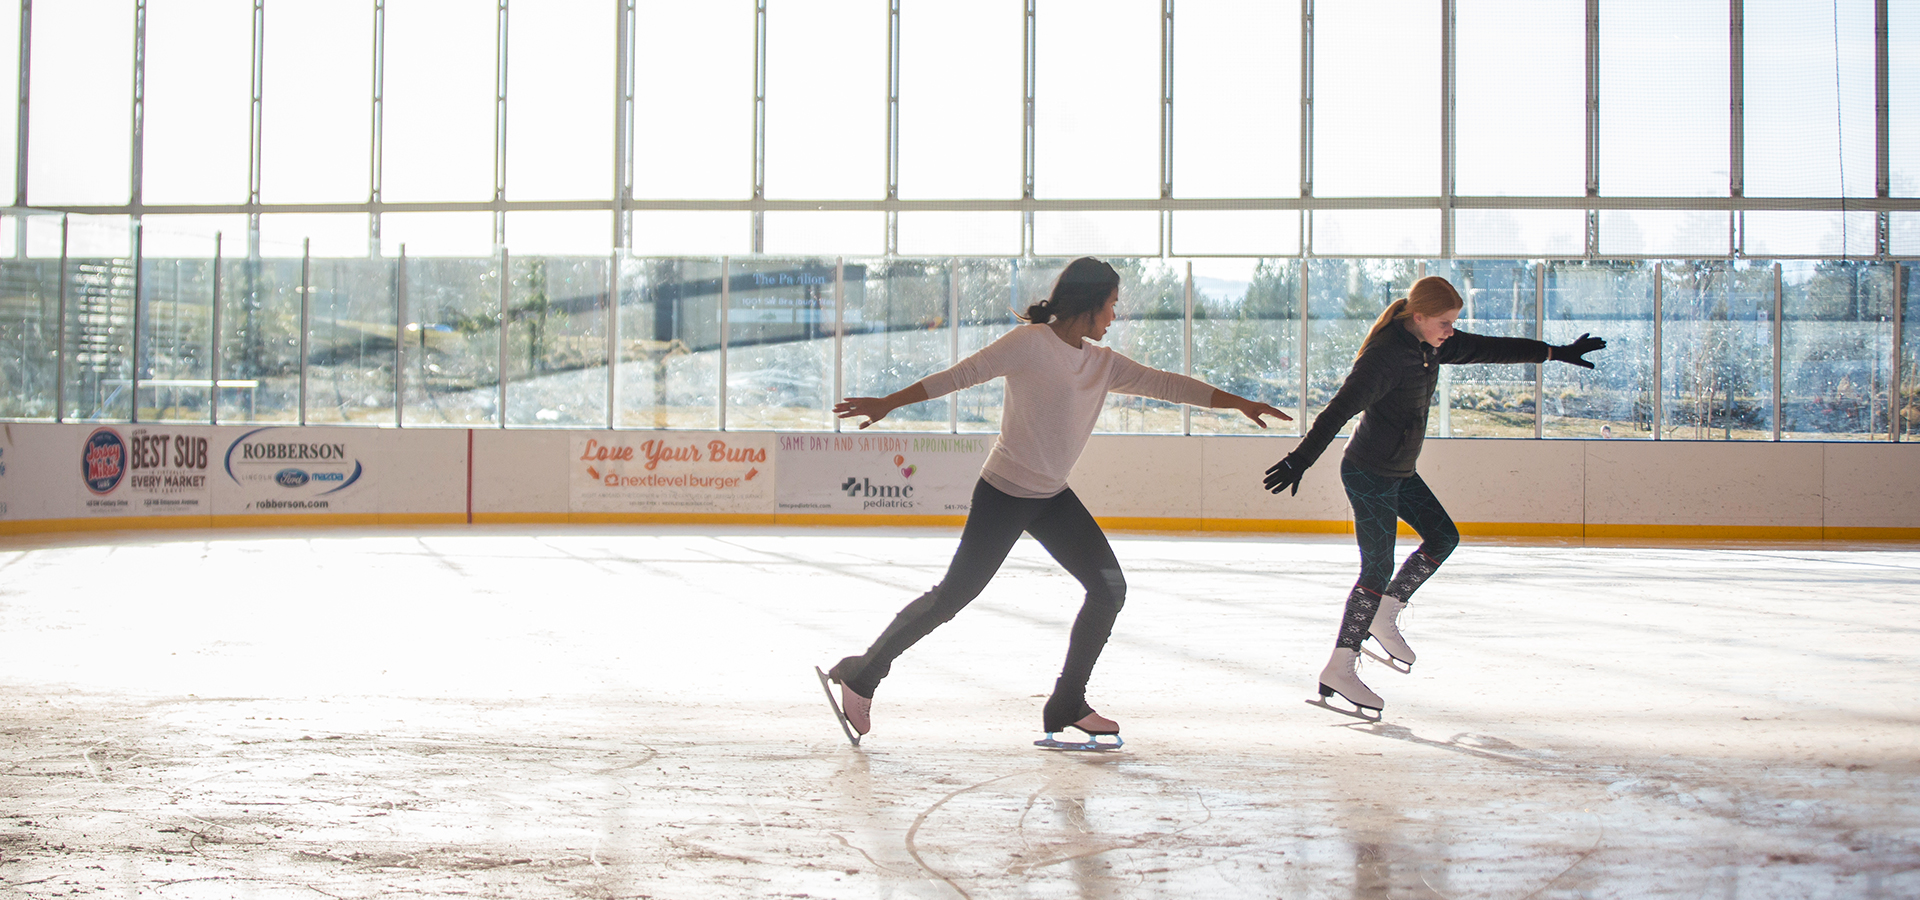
x=1056 y=385
x=1392 y=383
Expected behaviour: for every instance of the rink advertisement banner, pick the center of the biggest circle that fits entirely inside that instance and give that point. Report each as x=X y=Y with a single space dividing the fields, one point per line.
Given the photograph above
x=141 y=470
x=299 y=470
x=671 y=472
x=919 y=475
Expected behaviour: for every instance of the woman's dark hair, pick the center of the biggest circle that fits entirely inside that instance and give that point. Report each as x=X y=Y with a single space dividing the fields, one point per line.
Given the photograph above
x=1083 y=287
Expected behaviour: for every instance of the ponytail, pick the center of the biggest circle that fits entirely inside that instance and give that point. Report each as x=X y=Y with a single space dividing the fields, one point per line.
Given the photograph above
x=1429 y=296
x=1395 y=310
x=1083 y=287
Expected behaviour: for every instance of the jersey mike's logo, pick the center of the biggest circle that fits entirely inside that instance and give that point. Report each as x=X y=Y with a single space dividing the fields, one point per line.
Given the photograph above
x=103 y=460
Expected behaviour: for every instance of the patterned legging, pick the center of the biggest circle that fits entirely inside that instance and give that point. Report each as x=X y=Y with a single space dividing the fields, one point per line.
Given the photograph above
x=1379 y=501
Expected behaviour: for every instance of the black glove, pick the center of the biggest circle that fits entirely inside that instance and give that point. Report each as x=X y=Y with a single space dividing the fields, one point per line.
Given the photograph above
x=1581 y=346
x=1285 y=474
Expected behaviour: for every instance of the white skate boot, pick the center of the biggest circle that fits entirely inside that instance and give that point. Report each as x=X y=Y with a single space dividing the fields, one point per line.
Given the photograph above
x=1386 y=630
x=1341 y=677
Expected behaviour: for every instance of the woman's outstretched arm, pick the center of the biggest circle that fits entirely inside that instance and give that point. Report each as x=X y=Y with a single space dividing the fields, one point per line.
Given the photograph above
x=876 y=408
x=1252 y=409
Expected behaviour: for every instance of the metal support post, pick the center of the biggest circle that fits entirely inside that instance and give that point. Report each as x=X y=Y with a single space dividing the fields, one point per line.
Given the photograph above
x=400 y=340
x=506 y=282
x=1658 y=412
x=306 y=318
x=1539 y=334
x=839 y=341
x=726 y=306
x=60 y=358
x=1779 y=309
x=213 y=342
x=139 y=343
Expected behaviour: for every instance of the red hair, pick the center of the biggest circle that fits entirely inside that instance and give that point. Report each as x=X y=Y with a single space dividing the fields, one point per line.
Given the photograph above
x=1430 y=296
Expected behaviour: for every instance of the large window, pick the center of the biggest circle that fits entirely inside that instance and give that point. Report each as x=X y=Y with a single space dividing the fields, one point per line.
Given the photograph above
x=316 y=131
x=896 y=334
x=1489 y=401
x=1837 y=350
x=1344 y=298
x=1716 y=345
x=1615 y=398
x=1246 y=339
x=601 y=213
x=669 y=374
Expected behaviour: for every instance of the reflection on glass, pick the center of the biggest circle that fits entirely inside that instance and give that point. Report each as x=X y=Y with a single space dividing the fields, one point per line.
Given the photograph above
x=1836 y=353
x=780 y=348
x=1246 y=339
x=1716 y=343
x=557 y=342
x=29 y=330
x=99 y=338
x=450 y=344
x=669 y=343
x=1909 y=415
x=1150 y=329
x=1487 y=400
x=259 y=340
x=898 y=331
x=1613 y=300
x=992 y=295
x=177 y=321
x=350 y=341
x=1344 y=297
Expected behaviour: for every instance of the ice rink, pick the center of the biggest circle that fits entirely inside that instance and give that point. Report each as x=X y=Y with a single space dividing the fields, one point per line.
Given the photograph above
x=612 y=712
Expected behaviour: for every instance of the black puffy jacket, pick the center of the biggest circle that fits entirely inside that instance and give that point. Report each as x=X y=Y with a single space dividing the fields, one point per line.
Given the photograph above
x=1393 y=384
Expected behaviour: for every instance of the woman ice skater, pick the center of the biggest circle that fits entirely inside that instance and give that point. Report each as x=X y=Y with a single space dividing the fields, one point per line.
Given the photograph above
x=1056 y=385
x=1392 y=383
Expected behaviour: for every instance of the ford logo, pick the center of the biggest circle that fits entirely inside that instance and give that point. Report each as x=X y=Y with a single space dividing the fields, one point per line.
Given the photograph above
x=292 y=478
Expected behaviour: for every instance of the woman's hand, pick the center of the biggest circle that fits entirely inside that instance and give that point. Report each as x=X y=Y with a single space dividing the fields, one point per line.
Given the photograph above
x=1252 y=409
x=874 y=408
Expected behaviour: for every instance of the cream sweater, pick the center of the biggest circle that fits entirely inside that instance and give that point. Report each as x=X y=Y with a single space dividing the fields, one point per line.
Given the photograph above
x=1054 y=394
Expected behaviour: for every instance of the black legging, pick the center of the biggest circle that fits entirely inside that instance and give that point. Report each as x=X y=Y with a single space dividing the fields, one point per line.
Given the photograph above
x=1064 y=527
x=1379 y=501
